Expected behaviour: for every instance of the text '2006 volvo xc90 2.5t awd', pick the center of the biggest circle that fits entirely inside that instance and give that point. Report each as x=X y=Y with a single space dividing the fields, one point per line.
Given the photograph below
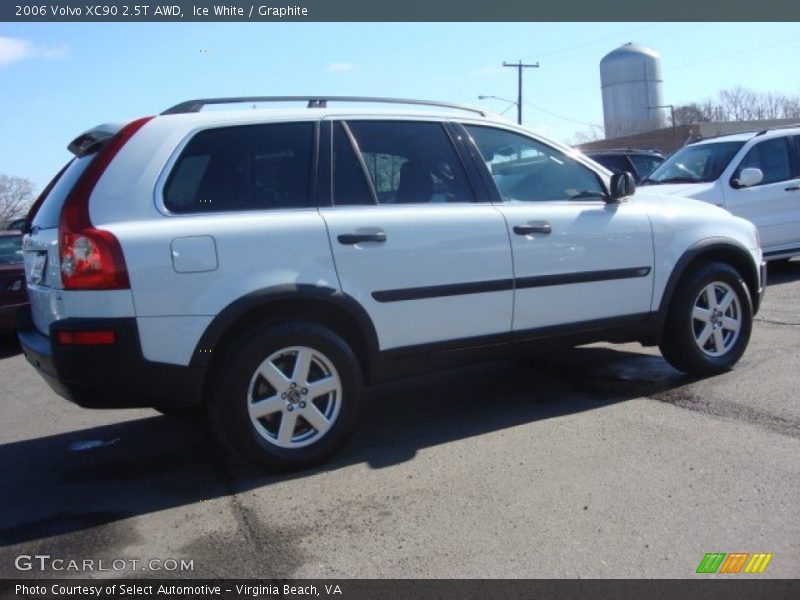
x=265 y=264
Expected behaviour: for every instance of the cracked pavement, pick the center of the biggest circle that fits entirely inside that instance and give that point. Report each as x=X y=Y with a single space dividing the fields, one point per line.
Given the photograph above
x=600 y=461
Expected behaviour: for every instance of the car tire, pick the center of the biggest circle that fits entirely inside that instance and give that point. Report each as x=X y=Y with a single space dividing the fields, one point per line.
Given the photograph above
x=286 y=396
x=709 y=321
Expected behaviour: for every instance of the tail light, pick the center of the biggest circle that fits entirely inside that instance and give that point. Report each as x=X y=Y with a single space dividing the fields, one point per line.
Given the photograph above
x=91 y=258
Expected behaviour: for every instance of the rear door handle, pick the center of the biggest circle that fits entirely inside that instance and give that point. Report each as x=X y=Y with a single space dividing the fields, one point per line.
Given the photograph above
x=349 y=239
x=533 y=227
x=792 y=188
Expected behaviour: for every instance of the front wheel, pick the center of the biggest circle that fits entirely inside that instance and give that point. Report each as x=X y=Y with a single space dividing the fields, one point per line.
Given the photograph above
x=286 y=396
x=709 y=321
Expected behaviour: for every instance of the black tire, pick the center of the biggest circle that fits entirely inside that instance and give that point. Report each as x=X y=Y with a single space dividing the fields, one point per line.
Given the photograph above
x=678 y=343
x=230 y=399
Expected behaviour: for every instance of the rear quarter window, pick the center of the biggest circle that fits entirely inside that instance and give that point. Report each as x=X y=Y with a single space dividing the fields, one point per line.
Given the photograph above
x=250 y=167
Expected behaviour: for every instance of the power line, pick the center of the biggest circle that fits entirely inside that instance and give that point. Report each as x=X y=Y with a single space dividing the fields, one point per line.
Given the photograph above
x=511 y=103
x=508 y=108
x=731 y=54
x=682 y=67
x=551 y=113
x=599 y=40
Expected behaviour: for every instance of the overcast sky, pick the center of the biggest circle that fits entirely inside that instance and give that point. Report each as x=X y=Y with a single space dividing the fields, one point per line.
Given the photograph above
x=59 y=79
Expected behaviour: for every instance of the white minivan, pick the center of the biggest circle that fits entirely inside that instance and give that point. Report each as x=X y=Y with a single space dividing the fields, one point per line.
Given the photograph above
x=754 y=175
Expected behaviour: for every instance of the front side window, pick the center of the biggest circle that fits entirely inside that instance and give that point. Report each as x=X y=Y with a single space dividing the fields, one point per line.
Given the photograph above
x=411 y=162
x=251 y=167
x=695 y=164
x=771 y=157
x=528 y=171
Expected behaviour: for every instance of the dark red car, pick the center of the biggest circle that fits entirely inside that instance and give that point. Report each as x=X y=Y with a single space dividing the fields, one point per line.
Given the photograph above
x=12 y=279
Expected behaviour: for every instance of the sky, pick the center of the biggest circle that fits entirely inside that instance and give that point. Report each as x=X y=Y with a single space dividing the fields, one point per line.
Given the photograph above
x=58 y=79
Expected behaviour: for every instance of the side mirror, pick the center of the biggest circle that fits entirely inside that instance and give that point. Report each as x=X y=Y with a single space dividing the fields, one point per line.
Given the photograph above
x=622 y=185
x=749 y=177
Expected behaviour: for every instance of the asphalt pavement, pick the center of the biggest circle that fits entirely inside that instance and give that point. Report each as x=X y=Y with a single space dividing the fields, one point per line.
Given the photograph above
x=600 y=461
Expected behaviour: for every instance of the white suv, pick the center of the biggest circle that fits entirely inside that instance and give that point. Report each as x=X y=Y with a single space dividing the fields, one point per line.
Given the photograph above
x=265 y=264
x=754 y=175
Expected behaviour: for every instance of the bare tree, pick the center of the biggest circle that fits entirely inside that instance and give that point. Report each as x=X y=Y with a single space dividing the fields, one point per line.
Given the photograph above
x=771 y=106
x=790 y=106
x=690 y=114
x=592 y=134
x=16 y=197
x=740 y=104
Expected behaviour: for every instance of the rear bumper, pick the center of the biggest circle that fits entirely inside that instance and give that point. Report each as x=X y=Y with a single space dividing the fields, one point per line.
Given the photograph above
x=106 y=376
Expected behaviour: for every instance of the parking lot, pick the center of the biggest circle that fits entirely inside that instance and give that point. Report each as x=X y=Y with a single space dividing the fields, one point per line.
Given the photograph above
x=598 y=462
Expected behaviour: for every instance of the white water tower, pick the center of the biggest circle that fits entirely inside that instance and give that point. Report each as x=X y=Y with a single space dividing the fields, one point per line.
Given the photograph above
x=630 y=78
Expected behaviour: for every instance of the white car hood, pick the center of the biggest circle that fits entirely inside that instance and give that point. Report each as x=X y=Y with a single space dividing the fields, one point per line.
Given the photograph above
x=668 y=203
x=707 y=191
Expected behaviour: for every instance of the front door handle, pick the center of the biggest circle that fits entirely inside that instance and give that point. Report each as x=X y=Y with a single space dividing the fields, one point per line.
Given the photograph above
x=350 y=239
x=533 y=227
x=792 y=188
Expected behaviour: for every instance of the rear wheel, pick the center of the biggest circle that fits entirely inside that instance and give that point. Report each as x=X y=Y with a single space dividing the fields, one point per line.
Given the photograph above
x=709 y=321
x=286 y=397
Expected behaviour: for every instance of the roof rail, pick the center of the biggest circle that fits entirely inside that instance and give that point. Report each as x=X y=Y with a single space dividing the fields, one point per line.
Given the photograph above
x=788 y=126
x=313 y=102
x=755 y=132
x=701 y=138
x=642 y=150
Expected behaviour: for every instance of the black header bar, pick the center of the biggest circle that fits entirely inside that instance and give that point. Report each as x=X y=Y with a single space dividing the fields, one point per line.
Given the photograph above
x=700 y=587
x=407 y=10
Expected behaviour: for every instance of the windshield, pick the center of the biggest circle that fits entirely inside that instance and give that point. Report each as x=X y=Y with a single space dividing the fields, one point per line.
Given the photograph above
x=695 y=164
x=10 y=249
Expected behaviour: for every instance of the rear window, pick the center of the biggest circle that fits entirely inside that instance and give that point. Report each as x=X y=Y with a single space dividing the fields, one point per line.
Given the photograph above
x=251 y=167
x=645 y=164
x=616 y=163
x=49 y=212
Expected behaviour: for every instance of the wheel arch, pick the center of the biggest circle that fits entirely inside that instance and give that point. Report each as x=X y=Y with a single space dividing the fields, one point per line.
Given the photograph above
x=321 y=305
x=712 y=250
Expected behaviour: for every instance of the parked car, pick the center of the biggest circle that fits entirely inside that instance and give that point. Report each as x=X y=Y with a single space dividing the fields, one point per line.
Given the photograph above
x=12 y=279
x=639 y=163
x=266 y=264
x=754 y=175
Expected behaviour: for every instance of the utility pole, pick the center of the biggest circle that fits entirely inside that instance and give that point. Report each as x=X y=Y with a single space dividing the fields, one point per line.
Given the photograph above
x=519 y=66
